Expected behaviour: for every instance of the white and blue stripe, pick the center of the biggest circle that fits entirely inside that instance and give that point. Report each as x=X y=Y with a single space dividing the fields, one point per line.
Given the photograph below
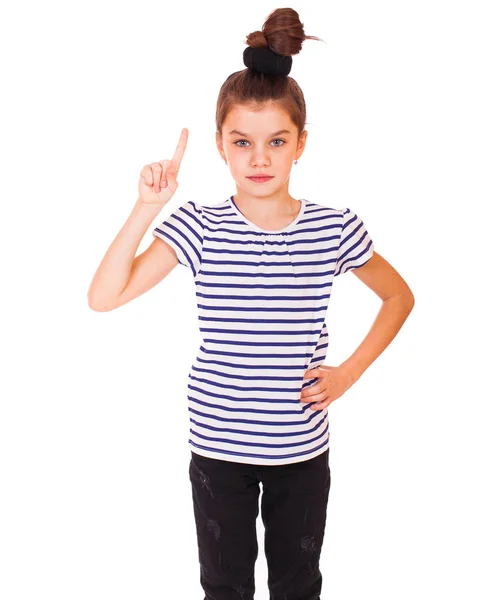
x=262 y=297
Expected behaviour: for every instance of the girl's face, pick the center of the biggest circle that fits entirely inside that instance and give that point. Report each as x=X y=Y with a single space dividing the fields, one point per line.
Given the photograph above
x=258 y=142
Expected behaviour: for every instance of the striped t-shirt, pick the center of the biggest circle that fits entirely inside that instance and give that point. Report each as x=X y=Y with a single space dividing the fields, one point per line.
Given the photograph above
x=262 y=298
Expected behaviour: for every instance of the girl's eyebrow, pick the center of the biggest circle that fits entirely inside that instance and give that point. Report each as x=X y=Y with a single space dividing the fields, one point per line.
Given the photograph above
x=246 y=134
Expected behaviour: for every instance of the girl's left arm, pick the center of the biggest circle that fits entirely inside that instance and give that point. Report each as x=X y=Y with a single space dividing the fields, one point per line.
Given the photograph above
x=397 y=303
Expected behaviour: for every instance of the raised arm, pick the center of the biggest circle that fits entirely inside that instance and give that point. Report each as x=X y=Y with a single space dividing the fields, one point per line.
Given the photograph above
x=122 y=276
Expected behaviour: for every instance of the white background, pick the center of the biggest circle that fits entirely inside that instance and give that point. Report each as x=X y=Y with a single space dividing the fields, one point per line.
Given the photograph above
x=95 y=499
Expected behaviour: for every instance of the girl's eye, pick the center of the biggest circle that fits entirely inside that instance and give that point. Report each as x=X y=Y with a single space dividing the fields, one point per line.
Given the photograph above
x=276 y=140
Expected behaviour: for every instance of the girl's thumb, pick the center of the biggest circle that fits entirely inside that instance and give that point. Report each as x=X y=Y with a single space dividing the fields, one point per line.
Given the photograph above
x=171 y=173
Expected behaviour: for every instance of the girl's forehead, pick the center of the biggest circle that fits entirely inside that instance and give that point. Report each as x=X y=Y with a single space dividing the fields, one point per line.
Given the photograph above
x=257 y=118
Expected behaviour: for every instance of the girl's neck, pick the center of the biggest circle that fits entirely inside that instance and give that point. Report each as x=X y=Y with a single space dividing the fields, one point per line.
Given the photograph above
x=270 y=212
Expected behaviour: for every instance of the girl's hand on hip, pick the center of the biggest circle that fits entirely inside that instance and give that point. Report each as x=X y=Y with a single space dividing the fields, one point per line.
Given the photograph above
x=157 y=182
x=333 y=382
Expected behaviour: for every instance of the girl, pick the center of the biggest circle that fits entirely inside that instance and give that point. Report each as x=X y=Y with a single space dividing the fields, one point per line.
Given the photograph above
x=263 y=263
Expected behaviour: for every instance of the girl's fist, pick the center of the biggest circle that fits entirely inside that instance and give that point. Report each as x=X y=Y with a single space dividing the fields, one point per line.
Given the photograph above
x=157 y=182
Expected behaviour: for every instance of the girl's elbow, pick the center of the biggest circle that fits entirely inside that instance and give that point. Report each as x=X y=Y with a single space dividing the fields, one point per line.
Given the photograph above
x=408 y=299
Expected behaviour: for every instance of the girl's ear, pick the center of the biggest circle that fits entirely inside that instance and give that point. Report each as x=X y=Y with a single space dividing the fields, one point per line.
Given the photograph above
x=219 y=145
x=303 y=137
x=301 y=144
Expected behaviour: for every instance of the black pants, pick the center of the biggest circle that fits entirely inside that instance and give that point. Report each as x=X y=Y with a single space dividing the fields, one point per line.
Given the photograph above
x=294 y=508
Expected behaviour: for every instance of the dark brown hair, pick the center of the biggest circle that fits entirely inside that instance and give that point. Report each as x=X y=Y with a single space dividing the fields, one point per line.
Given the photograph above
x=283 y=33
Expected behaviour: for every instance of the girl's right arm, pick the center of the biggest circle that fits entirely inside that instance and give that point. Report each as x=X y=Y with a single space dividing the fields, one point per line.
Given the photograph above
x=121 y=276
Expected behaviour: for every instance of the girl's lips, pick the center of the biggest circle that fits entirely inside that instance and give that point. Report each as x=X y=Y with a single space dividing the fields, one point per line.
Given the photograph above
x=260 y=179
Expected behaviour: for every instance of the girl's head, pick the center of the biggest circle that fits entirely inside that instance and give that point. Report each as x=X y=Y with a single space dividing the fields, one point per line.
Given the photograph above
x=260 y=118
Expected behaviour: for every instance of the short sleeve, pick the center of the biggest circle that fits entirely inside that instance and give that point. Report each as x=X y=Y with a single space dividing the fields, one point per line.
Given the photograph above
x=356 y=245
x=183 y=231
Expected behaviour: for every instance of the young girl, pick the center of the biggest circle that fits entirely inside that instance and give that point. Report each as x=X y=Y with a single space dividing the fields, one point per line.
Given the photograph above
x=263 y=263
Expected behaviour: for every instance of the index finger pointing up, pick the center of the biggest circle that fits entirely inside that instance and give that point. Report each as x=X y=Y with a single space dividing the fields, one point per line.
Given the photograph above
x=180 y=148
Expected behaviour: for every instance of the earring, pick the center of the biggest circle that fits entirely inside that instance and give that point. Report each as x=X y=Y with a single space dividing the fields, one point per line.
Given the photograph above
x=295 y=162
x=226 y=161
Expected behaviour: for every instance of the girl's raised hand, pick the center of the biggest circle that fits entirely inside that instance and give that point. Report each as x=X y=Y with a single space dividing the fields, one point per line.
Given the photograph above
x=157 y=182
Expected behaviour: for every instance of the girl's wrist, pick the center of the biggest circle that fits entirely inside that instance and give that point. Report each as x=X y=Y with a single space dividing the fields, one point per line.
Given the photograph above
x=352 y=371
x=156 y=208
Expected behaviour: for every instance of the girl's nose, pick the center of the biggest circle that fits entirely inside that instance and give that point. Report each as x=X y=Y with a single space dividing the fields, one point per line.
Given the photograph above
x=260 y=159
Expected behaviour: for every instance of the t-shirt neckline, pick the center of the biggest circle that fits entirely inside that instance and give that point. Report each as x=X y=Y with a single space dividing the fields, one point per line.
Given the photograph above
x=268 y=231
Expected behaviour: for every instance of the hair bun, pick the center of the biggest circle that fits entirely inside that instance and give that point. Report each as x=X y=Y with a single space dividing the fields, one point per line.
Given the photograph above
x=267 y=61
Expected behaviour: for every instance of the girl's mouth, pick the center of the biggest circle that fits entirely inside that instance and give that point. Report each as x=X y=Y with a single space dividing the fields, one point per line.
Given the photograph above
x=260 y=179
